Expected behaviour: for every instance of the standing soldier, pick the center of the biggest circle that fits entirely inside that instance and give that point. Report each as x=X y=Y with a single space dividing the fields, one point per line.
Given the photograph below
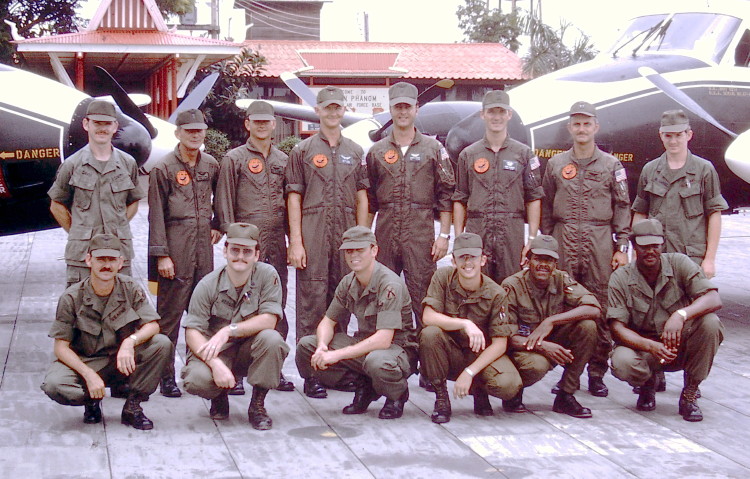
x=327 y=194
x=96 y=191
x=410 y=178
x=251 y=190
x=181 y=230
x=497 y=181
x=586 y=202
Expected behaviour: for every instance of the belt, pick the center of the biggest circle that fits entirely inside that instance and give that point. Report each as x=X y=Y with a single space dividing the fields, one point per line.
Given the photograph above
x=482 y=214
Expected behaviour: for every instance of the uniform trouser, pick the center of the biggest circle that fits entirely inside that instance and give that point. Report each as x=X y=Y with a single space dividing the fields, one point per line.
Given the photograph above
x=277 y=258
x=387 y=368
x=578 y=337
x=67 y=387
x=586 y=254
x=75 y=274
x=699 y=343
x=259 y=358
x=503 y=239
x=442 y=358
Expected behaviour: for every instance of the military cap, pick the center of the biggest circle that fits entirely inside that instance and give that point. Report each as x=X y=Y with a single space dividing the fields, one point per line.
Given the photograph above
x=330 y=95
x=467 y=243
x=496 y=98
x=100 y=110
x=674 y=121
x=259 y=110
x=243 y=234
x=582 y=108
x=191 y=120
x=403 y=92
x=105 y=245
x=648 y=232
x=544 y=245
x=357 y=237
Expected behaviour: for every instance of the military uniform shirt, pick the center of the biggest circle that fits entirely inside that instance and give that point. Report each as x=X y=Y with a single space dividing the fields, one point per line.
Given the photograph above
x=527 y=306
x=217 y=303
x=483 y=307
x=646 y=310
x=95 y=326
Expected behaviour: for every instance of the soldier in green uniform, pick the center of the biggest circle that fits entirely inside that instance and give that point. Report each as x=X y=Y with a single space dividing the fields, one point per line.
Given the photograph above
x=230 y=328
x=182 y=227
x=661 y=311
x=466 y=332
x=96 y=191
x=383 y=349
x=497 y=185
x=585 y=202
x=556 y=320
x=106 y=332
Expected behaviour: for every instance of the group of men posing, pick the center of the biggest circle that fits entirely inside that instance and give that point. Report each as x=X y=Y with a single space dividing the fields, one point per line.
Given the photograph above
x=484 y=322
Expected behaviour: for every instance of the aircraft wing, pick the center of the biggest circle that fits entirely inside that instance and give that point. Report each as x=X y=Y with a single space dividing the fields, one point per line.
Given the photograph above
x=295 y=111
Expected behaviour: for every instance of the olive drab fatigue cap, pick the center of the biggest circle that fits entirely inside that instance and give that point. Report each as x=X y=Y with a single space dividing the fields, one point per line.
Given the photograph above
x=357 y=237
x=467 y=243
x=544 y=245
x=105 y=245
x=648 y=232
x=331 y=95
x=582 y=108
x=496 y=98
x=100 y=110
x=674 y=121
x=403 y=92
x=259 y=110
x=243 y=234
x=191 y=120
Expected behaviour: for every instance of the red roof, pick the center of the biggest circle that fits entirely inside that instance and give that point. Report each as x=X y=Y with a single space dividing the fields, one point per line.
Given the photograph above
x=467 y=61
x=125 y=37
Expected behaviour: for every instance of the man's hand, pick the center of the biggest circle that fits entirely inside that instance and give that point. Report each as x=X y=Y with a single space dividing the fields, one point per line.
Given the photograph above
x=297 y=256
x=672 y=333
x=709 y=268
x=215 y=236
x=222 y=375
x=524 y=253
x=476 y=337
x=95 y=385
x=662 y=352
x=165 y=267
x=211 y=348
x=555 y=352
x=126 y=357
x=322 y=358
x=537 y=336
x=462 y=385
x=439 y=248
x=619 y=259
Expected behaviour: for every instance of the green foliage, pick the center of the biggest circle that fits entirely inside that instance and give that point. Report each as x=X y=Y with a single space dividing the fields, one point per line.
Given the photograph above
x=288 y=143
x=482 y=25
x=216 y=143
x=176 y=7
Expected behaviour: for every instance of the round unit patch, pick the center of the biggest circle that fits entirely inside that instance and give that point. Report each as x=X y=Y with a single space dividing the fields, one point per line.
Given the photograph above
x=481 y=165
x=569 y=171
x=391 y=156
x=255 y=165
x=320 y=160
x=182 y=177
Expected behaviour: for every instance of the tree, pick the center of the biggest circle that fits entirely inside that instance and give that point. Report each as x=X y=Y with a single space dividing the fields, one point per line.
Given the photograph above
x=482 y=25
x=175 y=7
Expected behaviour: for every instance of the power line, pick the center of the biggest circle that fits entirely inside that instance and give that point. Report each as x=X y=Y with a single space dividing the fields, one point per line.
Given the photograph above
x=253 y=6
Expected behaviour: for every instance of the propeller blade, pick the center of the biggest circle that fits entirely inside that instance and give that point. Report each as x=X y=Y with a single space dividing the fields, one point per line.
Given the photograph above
x=680 y=97
x=196 y=97
x=127 y=106
x=299 y=88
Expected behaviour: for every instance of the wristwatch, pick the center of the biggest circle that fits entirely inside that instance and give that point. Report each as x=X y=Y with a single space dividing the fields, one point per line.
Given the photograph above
x=623 y=248
x=233 y=329
x=134 y=338
x=445 y=235
x=682 y=313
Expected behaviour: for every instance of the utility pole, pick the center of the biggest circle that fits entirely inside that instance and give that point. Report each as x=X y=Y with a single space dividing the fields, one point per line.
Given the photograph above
x=367 y=26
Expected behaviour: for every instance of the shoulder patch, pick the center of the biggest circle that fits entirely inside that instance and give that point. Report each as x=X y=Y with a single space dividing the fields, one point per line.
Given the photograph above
x=621 y=175
x=389 y=292
x=534 y=163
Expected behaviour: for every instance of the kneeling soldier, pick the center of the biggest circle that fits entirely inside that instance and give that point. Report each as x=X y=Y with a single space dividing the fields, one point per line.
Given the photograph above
x=661 y=314
x=466 y=335
x=230 y=329
x=556 y=320
x=382 y=351
x=105 y=334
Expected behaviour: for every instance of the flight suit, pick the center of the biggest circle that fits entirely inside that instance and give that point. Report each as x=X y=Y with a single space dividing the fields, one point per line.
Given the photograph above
x=383 y=304
x=180 y=218
x=585 y=202
x=645 y=310
x=527 y=306
x=682 y=200
x=494 y=188
x=445 y=354
x=406 y=190
x=96 y=327
x=97 y=194
x=328 y=180
x=217 y=303
x=251 y=190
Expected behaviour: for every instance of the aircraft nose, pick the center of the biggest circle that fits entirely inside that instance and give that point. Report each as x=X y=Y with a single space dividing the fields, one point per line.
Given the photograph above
x=737 y=157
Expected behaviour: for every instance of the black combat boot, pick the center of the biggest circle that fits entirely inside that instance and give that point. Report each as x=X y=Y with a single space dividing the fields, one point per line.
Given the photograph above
x=394 y=408
x=566 y=403
x=313 y=388
x=256 y=412
x=132 y=414
x=363 y=396
x=647 y=395
x=284 y=384
x=515 y=404
x=442 y=412
x=482 y=406
x=239 y=388
x=92 y=412
x=168 y=387
x=220 y=406
x=688 y=405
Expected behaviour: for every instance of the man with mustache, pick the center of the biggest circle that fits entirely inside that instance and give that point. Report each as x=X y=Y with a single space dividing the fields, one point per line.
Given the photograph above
x=105 y=333
x=96 y=191
x=230 y=329
x=661 y=311
x=556 y=320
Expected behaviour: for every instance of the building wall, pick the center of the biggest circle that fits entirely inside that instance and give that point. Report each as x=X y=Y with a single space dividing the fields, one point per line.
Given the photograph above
x=282 y=20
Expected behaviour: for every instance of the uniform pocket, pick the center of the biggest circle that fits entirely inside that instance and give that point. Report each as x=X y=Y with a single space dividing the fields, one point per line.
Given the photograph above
x=691 y=201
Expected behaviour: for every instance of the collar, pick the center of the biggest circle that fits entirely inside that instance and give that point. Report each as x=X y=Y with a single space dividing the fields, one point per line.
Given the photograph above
x=109 y=165
x=482 y=293
x=356 y=290
x=179 y=157
x=690 y=168
x=637 y=280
